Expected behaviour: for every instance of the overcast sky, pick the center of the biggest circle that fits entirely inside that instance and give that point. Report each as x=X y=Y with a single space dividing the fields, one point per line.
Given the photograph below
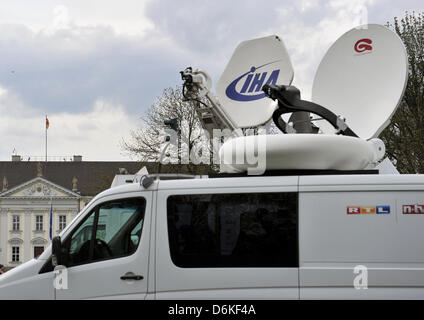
x=94 y=66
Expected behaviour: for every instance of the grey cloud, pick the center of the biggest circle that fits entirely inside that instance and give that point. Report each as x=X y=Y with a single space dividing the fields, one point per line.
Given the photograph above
x=203 y=27
x=69 y=69
x=211 y=31
x=384 y=11
x=216 y=28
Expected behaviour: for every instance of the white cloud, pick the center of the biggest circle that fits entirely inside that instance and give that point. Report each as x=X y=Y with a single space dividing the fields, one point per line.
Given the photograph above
x=307 y=43
x=123 y=17
x=3 y=92
x=305 y=5
x=61 y=17
x=95 y=134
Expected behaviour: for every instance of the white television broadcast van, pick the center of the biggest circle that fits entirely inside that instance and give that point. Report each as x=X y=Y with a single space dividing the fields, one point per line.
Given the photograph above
x=321 y=222
x=267 y=237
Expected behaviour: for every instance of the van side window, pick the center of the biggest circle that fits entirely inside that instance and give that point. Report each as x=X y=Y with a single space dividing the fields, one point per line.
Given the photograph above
x=233 y=230
x=111 y=230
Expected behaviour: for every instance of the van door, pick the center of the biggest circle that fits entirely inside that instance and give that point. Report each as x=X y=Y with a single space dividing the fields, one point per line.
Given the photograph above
x=227 y=244
x=107 y=252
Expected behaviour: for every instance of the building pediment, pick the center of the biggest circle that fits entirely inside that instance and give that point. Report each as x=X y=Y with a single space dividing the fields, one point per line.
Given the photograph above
x=39 y=188
x=16 y=241
x=39 y=241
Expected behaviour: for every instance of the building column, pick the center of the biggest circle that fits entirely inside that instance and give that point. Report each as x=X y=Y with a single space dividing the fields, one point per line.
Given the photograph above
x=3 y=236
x=27 y=237
x=46 y=217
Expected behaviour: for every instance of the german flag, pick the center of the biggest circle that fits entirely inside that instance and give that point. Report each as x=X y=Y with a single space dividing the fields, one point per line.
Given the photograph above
x=47 y=123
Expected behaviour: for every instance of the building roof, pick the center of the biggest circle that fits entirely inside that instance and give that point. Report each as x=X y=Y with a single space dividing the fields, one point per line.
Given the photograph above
x=92 y=176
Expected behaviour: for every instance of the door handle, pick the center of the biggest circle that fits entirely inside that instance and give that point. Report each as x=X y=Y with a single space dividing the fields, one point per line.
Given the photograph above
x=131 y=276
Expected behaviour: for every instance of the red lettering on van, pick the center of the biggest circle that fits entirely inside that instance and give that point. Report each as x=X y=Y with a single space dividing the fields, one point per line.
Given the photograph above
x=353 y=210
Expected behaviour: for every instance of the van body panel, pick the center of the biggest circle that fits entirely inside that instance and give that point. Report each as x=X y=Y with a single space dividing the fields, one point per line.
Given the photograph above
x=334 y=239
x=174 y=282
x=381 y=293
x=218 y=183
x=268 y=293
x=378 y=276
x=369 y=182
x=152 y=251
x=24 y=282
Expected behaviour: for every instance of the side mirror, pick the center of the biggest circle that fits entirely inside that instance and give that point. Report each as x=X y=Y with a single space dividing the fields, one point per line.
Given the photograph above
x=146 y=181
x=56 y=251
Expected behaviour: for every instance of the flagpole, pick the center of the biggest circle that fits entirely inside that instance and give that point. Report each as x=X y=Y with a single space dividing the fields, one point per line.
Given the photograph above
x=46 y=138
x=51 y=219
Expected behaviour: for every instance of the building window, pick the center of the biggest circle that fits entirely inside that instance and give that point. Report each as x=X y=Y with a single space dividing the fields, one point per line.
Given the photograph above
x=39 y=223
x=62 y=222
x=38 y=250
x=15 y=254
x=15 y=223
x=247 y=230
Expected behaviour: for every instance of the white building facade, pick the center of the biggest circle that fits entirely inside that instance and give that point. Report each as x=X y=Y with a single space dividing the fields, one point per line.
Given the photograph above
x=25 y=218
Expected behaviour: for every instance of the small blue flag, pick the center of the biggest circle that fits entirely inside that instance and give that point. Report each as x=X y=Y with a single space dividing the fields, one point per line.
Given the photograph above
x=51 y=222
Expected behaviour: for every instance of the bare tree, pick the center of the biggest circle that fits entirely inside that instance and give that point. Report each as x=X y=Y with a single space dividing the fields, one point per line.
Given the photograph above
x=146 y=142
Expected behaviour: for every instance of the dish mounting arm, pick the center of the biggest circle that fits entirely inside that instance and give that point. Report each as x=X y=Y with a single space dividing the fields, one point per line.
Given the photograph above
x=197 y=85
x=289 y=101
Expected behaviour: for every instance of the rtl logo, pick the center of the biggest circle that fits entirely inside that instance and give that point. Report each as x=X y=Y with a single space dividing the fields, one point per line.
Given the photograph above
x=368 y=210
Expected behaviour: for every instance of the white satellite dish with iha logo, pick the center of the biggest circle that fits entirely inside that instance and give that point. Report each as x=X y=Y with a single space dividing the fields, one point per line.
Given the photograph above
x=357 y=88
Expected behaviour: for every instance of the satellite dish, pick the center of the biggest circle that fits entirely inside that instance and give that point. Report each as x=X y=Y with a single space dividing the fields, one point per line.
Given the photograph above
x=363 y=77
x=253 y=64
